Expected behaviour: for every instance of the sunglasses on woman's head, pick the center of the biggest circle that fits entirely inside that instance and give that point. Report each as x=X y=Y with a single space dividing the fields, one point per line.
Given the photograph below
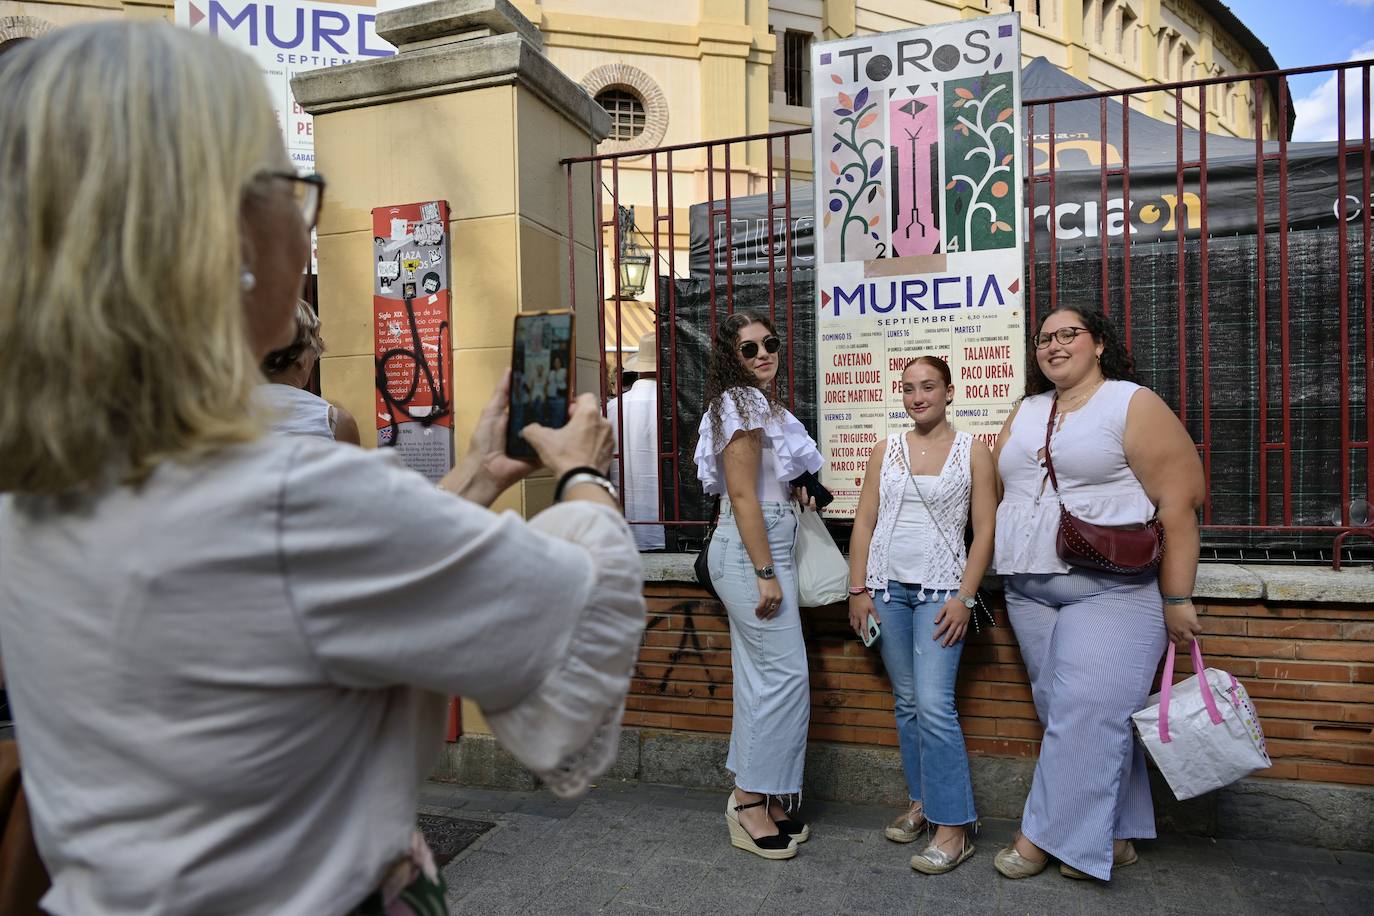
x=750 y=348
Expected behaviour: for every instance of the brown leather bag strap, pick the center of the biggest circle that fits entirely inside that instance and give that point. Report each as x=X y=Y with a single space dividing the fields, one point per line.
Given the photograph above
x=1049 y=429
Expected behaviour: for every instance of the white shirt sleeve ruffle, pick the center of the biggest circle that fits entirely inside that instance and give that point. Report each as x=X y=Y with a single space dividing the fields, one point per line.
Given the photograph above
x=793 y=447
x=568 y=729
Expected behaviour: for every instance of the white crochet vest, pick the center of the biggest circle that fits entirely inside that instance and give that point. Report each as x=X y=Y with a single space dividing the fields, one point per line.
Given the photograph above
x=944 y=556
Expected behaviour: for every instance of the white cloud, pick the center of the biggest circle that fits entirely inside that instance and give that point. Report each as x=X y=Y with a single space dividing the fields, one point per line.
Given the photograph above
x=1316 y=114
x=1365 y=3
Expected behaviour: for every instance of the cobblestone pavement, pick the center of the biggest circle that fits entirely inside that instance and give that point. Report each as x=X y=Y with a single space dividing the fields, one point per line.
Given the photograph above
x=628 y=848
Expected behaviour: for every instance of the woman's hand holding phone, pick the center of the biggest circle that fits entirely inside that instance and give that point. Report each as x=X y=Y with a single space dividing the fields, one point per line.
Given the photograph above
x=486 y=471
x=587 y=439
x=861 y=608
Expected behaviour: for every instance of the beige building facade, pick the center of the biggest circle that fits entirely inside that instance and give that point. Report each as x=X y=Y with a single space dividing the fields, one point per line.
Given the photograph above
x=683 y=71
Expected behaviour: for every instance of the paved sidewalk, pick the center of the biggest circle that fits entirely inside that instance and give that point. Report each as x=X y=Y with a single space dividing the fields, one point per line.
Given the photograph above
x=638 y=849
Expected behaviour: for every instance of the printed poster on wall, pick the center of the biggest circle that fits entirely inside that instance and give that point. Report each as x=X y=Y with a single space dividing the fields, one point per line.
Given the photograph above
x=287 y=37
x=414 y=349
x=918 y=158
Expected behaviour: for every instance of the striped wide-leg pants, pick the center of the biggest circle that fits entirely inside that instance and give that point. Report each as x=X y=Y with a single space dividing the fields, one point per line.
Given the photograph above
x=1091 y=643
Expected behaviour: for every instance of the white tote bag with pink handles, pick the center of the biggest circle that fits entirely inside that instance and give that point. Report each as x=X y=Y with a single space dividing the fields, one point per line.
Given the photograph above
x=1201 y=737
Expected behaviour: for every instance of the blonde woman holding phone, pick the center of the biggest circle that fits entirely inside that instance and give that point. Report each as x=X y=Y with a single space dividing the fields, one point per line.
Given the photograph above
x=251 y=638
x=910 y=573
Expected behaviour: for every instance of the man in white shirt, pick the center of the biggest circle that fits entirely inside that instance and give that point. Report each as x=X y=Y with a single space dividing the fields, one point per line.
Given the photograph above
x=640 y=445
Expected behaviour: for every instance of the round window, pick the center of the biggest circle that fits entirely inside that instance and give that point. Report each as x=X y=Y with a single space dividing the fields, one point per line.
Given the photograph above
x=626 y=110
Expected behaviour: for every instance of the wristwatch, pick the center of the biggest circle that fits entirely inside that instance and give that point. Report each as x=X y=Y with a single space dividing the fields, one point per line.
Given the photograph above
x=766 y=572
x=967 y=602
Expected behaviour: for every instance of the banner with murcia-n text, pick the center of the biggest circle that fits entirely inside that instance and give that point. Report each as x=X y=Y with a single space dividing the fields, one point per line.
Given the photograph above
x=918 y=158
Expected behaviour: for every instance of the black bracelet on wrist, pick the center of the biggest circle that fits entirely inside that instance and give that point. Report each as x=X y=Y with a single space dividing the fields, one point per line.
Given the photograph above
x=568 y=475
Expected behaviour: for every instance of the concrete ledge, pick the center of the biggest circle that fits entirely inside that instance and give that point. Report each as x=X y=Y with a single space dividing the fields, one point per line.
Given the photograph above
x=1222 y=581
x=417 y=26
x=1333 y=816
x=462 y=66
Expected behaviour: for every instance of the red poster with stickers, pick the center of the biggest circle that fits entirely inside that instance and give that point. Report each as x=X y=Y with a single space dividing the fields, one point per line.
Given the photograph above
x=411 y=332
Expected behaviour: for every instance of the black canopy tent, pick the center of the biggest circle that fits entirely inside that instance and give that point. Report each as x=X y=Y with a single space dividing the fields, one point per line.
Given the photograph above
x=1166 y=314
x=1152 y=160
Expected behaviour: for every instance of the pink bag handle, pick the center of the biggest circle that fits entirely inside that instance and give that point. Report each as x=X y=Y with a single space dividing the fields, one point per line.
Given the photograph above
x=1167 y=688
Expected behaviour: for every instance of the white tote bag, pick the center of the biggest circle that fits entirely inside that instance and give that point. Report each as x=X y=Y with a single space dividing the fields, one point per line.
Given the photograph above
x=1201 y=738
x=822 y=573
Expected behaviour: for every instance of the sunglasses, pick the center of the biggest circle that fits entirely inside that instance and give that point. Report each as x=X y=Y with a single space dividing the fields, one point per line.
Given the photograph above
x=750 y=348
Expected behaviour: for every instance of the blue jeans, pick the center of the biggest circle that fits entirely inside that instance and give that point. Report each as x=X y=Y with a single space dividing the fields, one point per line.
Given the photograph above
x=922 y=672
x=772 y=696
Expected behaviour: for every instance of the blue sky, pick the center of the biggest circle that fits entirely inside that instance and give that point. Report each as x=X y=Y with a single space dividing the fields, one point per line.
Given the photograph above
x=1302 y=33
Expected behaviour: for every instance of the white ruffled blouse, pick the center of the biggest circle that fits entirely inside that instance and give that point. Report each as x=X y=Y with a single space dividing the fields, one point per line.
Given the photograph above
x=260 y=647
x=794 y=451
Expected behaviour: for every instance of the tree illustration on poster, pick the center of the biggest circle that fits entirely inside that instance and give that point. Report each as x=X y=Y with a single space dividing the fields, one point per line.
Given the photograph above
x=855 y=164
x=980 y=124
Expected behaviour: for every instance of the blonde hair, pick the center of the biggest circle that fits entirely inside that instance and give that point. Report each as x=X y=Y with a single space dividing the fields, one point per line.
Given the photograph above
x=127 y=150
x=307 y=339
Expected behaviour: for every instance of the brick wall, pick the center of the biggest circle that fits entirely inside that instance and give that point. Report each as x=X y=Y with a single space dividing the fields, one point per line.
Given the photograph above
x=1308 y=667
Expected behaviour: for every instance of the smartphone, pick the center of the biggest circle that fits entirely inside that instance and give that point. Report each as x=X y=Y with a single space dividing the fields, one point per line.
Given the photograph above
x=871 y=632
x=542 y=367
x=814 y=489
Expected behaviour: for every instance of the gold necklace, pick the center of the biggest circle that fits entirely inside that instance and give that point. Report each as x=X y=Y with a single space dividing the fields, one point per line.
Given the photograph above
x=1084 y=396
x=927 y=448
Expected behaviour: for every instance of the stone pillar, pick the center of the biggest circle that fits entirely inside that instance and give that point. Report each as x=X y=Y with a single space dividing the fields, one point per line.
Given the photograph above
x=838 y=19
x=470 y=111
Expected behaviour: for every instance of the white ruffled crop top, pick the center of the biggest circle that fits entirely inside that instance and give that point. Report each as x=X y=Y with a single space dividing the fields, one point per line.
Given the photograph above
x=788 y=451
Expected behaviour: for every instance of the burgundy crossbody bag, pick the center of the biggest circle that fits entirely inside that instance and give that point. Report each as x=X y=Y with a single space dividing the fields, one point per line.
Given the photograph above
x=1126 y=551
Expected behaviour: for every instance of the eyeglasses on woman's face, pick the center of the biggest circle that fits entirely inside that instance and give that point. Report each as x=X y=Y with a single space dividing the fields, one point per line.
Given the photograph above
x=750 y=348
x=308 y=192
x=1064 y=335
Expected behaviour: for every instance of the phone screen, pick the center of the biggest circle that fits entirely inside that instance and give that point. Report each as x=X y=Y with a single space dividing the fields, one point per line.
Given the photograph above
x=541 y=377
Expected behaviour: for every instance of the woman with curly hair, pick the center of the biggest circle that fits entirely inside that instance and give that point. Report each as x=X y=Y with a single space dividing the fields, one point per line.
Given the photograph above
x=750 y=447
x=1091 y=640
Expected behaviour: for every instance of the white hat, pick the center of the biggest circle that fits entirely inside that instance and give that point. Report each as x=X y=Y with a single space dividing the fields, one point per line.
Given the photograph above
x=644 y=360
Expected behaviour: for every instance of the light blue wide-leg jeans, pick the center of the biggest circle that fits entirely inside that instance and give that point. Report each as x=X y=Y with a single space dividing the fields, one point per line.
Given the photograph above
x=772 y=693
x=922 y=672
